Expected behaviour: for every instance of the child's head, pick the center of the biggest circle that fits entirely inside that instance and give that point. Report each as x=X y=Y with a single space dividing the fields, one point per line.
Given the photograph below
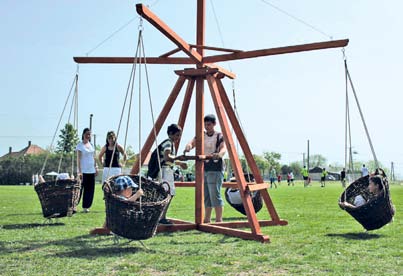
x=174 y=132
x=209 y=122
x=375 y=184
x=123 y=186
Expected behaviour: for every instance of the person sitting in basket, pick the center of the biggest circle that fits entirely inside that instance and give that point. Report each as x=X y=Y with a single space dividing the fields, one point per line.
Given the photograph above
x=123 y=188
x=375 y=187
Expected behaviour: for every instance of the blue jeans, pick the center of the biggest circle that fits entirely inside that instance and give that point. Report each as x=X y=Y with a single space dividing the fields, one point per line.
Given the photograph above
x=212 y=188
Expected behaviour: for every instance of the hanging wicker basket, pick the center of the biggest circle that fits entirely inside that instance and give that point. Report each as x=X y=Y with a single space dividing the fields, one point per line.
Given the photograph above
x=135 y=220
x=58 y=198
x=377 y=212
x=231 y=194
x=256 y=201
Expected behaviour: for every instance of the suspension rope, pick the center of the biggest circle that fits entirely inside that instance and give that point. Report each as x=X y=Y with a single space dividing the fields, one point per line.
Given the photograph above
x=58 y=124
x=151 y=105
x=348 y=150
x=131 y=90
x=219 y=30
x=68 y=122
x=297 y=19
x=362 y=116
x=111 y=35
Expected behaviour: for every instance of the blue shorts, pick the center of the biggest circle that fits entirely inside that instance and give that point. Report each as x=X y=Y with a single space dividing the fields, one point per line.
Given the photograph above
x=212 y=188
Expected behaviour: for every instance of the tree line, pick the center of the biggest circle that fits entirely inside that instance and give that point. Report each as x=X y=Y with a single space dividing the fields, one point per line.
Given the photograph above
x=16 y=170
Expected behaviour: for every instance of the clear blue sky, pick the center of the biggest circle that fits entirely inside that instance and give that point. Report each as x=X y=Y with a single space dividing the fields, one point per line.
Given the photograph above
x=282 y=100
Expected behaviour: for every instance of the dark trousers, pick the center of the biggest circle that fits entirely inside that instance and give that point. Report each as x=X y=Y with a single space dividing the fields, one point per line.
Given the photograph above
x=87 y=189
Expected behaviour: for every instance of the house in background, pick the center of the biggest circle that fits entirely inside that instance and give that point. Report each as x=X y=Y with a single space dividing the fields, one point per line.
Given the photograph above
x=31 y=149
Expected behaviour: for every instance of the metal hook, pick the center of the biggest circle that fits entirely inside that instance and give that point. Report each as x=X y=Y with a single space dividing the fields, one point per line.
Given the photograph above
x=141 y=23
x=343 y=50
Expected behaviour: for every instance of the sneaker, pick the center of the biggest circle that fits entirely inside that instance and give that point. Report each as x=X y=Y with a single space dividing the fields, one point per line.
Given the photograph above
x=86 y=210
x=165 y=221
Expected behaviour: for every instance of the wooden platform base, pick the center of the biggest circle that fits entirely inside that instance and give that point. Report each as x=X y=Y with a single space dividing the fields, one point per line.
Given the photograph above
x=225 y=228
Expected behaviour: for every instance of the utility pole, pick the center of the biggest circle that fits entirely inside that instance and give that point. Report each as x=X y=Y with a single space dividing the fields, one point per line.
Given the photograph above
x=303 y=159
x=308 y=158
x=91 y=120
x=392 y=172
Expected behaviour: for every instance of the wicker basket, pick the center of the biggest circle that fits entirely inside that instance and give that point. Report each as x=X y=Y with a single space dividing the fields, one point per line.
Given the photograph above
x=256 y=201
x=135 y=220
x=374 y=214
x=58 y=198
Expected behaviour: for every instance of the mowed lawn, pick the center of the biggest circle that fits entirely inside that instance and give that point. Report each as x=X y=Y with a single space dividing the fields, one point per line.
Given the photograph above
x=320 y=239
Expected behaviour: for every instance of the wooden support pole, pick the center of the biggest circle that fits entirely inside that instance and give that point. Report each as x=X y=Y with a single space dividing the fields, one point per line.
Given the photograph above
x=233 y=232
x=247 y=152
x=200 y=25
x=185 y=108
x=168 y=32
x=236 y=164
x=167 y=54
x=158 y=124
x=199 y=191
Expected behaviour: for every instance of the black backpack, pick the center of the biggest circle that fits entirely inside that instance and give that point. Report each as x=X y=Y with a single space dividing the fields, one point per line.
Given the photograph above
x=153 y=166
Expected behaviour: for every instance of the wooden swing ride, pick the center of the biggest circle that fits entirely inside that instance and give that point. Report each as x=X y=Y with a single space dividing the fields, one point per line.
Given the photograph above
x=207 y=70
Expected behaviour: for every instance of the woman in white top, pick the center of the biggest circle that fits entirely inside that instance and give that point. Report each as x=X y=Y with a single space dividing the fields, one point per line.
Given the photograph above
x=87 y=169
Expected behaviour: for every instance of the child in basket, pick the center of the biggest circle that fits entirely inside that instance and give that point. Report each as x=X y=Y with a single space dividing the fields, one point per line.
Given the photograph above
x=123 y=188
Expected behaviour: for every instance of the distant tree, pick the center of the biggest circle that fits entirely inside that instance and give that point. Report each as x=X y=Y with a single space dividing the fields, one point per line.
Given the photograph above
x=285 y=169
x=261 y=163
x=273 y=159
x=68 y=139
x=317 y=160
x=131 y=156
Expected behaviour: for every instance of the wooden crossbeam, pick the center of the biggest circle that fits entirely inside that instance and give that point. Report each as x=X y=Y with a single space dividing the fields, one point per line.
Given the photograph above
x=277 y=51
x=130 y=60
x=233 y=232
x=215 y=48
x=257 y=187
x=192 y=184
x=167 y=54
x=245 y=224
x=196 y=72
x=168 y=32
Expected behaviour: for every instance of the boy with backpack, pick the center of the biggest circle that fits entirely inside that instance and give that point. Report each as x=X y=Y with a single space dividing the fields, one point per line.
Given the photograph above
x=164 y=157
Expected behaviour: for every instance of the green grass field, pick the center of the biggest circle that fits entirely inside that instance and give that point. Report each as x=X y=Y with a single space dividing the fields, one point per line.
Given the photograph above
x=320 y=239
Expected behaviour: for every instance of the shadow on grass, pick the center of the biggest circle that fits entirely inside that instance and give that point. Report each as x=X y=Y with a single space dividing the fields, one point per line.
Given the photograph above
x=29 y=225
x=356 y=236
x=94 y=252
x=24 y=214
x=194 y=237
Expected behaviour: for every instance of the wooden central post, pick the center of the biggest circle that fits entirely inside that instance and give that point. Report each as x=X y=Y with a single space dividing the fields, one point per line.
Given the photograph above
x=200 y=27
x=199 y=189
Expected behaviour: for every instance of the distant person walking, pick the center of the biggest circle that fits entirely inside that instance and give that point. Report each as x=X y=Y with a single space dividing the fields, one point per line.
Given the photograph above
x=273 y=176
x=343 y=177
x=290 y=178
x=364 y=171
x=323 y=178
x=305 y=176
